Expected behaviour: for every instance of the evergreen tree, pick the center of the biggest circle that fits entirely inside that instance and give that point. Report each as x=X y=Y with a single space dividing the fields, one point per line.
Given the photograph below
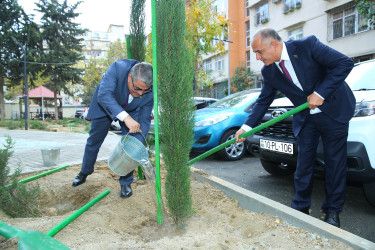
x=60 y=33
x=17 y=199
x=137 y=31
x=16 y=30
x=176 y=71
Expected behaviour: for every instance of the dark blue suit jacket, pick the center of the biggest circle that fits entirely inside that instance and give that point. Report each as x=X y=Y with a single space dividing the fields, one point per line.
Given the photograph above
x=111 y=97
x=318 y=68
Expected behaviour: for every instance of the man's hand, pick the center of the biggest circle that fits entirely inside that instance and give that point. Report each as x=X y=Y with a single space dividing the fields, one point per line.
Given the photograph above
x=238 y=133
x=314 y=101
x=132 y=125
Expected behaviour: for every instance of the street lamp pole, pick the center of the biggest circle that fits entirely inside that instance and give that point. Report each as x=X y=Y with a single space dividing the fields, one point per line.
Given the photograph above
x=25 y=79
x=228 y=65
x=227 y=41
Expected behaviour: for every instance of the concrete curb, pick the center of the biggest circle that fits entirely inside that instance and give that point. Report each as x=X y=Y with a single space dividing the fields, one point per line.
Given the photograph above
x=257 y=203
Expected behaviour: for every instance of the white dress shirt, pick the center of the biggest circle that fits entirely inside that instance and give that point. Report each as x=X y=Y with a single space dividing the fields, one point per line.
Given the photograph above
x=289 y=67
x=123 y=114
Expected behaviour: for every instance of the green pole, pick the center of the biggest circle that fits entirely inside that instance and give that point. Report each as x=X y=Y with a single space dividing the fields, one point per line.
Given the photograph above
x=41 y=175
x=156 y=113
x=77 y=213
x=253 y=131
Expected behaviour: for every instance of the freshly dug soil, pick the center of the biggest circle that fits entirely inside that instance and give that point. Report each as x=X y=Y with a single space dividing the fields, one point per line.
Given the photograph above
x=116 y=223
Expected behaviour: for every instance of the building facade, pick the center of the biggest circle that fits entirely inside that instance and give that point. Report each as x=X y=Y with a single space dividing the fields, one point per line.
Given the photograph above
x=96 y=43
x=336 y=23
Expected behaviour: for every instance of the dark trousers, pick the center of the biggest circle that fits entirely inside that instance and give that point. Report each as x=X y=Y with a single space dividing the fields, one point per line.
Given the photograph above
x=334 y=137
x=97 y=134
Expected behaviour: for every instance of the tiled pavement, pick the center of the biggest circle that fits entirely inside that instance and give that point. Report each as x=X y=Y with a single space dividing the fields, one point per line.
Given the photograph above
x=29 y=144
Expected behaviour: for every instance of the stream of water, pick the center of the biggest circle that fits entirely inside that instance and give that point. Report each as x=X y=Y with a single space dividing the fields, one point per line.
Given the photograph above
x=150 y=174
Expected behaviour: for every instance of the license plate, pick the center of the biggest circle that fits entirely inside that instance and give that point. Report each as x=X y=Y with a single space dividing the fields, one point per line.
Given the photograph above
x=276 y=146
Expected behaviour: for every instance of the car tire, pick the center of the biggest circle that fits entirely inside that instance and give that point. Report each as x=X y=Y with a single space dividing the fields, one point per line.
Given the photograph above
x=277 y=168
x=234 y=151
x=369 y=190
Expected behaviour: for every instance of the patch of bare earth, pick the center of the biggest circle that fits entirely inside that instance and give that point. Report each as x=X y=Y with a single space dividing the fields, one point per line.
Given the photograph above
x=116 y=223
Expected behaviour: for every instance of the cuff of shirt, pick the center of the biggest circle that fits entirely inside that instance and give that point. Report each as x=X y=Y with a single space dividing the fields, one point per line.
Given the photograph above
x=122 y=115
x=246 y=128
x=319 y=95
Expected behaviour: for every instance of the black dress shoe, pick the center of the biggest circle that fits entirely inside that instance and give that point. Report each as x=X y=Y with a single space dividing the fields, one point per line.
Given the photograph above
x=333 y=219
x=80 y=178
x=305 y=211
x=126 y=191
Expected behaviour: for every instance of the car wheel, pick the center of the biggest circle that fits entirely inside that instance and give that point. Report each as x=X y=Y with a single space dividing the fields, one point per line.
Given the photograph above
x=369 y=190
x=234 y=151
x=277 y=168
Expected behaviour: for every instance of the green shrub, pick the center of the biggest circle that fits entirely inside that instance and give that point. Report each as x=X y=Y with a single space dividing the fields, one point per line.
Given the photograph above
x=12 y=124
x=88 y=126
x=17 y=199
x=39 y=125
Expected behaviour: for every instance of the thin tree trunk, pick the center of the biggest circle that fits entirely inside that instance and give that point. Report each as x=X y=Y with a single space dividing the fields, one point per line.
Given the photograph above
x=2 y=100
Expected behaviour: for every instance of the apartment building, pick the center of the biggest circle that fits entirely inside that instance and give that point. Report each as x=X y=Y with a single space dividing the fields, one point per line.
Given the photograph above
x=96 y=43
x=336 y=23
x=95 y=46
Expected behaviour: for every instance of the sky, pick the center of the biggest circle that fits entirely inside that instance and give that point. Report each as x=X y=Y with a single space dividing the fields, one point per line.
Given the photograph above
x=97 y=15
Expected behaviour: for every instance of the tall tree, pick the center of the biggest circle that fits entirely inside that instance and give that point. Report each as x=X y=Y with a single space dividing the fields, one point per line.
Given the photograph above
x=137 y=30
x=241 y=79
x=205 y=30
x=116 y=51
x=175 y=74
x=60 y=33
x=17 y=32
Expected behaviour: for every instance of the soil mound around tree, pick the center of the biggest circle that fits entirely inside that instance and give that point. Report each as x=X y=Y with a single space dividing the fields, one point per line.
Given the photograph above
x=116 y=223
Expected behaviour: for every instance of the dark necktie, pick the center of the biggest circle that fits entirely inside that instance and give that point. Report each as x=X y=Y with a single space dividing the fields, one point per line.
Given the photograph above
x=126 y=102
x=285 y=71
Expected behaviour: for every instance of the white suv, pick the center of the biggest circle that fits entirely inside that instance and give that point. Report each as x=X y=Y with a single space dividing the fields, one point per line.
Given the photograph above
x=361 y=139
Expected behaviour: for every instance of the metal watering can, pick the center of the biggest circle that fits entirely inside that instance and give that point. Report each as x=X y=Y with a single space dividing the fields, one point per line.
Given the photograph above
x=128 y=154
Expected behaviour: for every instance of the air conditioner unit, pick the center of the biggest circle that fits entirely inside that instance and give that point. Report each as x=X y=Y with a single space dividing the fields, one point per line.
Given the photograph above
x=275 y=1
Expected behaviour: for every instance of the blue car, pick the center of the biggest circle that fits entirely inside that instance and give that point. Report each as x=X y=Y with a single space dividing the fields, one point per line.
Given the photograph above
x=220 y=121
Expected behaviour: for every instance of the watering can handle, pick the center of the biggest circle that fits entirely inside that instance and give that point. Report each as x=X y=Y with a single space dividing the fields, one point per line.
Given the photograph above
x=123 y=138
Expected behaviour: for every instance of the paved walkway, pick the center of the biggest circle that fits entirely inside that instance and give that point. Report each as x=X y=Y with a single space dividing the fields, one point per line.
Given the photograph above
x=29 y=144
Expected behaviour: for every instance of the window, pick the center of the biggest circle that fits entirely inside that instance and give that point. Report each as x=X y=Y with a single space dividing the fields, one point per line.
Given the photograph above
x=295 y=34
x=247 y=26
x=348 y=22
x=219 y=63
x=248 y=60
x=247 y=8
x=261 y=14
x=291 y=5
x=207 y=65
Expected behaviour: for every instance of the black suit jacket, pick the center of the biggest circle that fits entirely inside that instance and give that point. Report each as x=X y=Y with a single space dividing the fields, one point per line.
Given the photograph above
x=318 y=68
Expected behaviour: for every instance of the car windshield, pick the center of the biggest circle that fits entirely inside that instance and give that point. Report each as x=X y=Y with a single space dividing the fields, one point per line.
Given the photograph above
x=362 y=77
x=235 y=100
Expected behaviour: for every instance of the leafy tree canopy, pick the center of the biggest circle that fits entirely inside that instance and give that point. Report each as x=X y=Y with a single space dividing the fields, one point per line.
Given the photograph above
x=241 y=79
x=367 y=9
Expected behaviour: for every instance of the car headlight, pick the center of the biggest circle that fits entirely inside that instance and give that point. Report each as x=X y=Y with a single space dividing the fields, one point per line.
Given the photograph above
x=364 y=109
x=212 y=120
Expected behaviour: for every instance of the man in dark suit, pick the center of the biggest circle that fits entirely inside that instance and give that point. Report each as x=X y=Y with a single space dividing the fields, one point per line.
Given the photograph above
x=307 y=70
x=124 y=94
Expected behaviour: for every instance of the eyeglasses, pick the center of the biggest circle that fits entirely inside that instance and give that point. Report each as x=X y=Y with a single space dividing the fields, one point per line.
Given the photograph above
x=139 y=90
